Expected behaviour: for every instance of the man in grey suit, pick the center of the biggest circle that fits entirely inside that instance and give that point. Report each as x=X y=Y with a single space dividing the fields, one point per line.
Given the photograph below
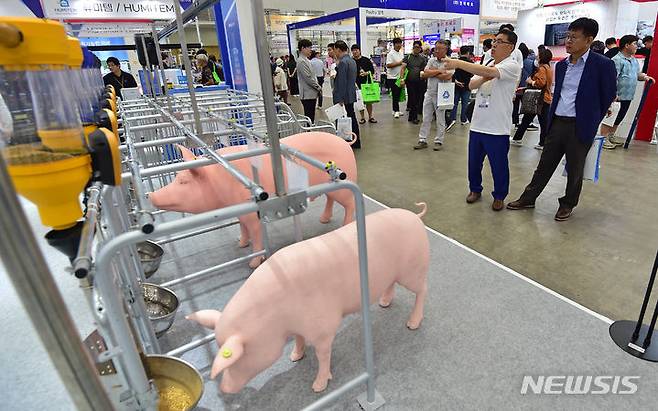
x=344 y=92
x=309 y=88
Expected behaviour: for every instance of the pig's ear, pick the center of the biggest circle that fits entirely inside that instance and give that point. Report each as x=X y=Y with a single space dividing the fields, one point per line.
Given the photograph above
x=228 y=354
x=207 y=318
x=187 y=154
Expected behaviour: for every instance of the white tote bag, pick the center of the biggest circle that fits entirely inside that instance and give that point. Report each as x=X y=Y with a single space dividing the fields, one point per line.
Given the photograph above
x=445 y=96
x=592 y=161
x=344 y=128
x=610 y=120
x=358 y=104
x=335 y=112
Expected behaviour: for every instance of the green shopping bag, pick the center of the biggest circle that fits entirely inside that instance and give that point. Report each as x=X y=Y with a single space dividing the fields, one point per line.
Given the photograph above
x=403 y=90
x=370 y=91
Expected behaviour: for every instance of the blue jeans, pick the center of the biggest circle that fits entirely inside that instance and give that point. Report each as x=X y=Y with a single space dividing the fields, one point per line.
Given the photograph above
x=495 y=147
x=463 y=95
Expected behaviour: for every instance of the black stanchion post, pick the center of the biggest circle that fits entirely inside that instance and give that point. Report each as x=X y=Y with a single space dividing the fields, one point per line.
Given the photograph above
x=645 y=303
x=625 y=333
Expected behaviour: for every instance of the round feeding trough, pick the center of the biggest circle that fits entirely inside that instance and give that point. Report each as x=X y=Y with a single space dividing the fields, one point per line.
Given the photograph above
x=179 y=384
x=161 y=305
x=150 y=254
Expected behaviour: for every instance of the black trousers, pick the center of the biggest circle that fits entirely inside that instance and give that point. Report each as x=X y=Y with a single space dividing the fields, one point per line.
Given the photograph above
x=543 y=124
x=561 y=140
x=355 y=124
x=309 y=109
x=395 y=93
x=414 y=98
x=320 y=82
x=515 y=108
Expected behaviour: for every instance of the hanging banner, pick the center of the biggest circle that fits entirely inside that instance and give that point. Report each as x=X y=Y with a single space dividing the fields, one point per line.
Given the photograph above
x=109 y=30
x=111 y=9
x=505 y=9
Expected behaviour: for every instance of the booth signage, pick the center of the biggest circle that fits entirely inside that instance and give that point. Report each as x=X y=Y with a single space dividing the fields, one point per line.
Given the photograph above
x=566 y=14
x=453 y=6
x=122 y=55
x=505 y=8
x=111 y=9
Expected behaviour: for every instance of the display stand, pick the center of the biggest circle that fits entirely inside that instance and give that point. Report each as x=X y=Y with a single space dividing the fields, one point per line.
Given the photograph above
x=635 y=337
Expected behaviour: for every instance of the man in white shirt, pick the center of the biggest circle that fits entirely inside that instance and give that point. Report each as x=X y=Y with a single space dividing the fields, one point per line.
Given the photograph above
x=490 y=126
x=393 y=68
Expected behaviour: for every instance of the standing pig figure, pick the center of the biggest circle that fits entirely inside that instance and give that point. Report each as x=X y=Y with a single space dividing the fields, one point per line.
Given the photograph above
x=305 y=290
x=211 y=187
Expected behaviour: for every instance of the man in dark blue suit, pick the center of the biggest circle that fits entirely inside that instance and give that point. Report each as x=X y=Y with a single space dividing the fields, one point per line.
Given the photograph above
x=585 y=86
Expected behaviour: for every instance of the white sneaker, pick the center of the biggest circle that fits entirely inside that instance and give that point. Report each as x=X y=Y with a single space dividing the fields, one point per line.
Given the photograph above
x=452 y=123
x=538 y=147
x=516 y=142
x=609 y=145
x=653 y=142
x=397 y=114
x=465 y=122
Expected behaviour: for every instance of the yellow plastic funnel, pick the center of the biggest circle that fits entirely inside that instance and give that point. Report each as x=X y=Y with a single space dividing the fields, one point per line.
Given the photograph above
x=54 y=187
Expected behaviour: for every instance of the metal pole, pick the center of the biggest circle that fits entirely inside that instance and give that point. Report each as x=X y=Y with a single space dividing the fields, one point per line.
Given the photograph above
x=161 y=65
x=188 y=67
x=42 y=301
x=147 y=72
x=268 y=94
x=83 y=258
x=645 y=302
x=198 y=31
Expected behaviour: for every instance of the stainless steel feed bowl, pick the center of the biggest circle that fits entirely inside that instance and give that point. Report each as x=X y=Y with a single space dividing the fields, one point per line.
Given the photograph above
x=179 y=385
x=150 y=254
x=161 y=305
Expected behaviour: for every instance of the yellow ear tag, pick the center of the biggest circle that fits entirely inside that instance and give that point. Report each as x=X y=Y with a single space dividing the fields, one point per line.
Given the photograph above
x=226 y=353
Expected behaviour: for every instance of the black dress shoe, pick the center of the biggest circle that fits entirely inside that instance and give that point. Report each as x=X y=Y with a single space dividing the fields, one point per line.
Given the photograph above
x=519 y=205
x=563 y=213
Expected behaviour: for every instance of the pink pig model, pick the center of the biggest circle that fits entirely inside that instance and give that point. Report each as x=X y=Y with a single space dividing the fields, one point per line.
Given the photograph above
x=211 y=187
x=307 y=288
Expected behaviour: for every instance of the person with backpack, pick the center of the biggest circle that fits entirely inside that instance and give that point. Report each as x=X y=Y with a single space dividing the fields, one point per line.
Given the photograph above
x=528 y=69
x=542 y=80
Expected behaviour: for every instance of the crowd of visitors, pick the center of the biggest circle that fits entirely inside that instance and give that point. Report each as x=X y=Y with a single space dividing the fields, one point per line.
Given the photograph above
x=513 y=85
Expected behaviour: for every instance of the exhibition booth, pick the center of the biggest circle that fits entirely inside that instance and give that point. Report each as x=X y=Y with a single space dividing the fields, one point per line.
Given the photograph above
x=375 y=24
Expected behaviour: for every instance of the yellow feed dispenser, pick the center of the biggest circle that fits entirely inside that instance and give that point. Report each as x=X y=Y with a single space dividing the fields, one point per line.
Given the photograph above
x=44 y=149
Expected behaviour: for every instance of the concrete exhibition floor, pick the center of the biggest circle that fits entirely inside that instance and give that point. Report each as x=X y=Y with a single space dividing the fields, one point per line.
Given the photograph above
x=600 y=258
x=486 y=326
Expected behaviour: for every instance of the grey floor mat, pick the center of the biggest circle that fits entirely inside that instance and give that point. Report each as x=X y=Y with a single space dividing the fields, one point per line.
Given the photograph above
x=484 y=330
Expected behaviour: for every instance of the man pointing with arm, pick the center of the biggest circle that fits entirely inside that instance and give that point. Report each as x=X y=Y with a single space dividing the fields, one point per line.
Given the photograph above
x=490 y=126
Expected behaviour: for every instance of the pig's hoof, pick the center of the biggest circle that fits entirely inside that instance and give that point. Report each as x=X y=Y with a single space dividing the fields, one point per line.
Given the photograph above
x=320 y=385
x=384 y=303
x=256 y=261
x=243 y=243
x=413 y=324
x=296 y=356
x=325 y=220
